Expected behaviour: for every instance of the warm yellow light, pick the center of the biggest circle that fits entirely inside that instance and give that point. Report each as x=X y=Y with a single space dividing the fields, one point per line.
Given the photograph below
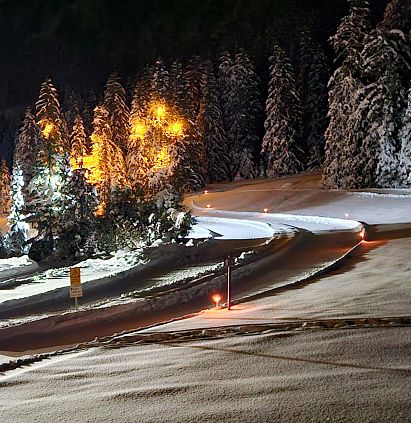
x=100 y=209
x=47 y=127
x=158 y=110
x=176 y=128
x=92 y=162
x=163 y=159
x=138 y=130
x=76 y=162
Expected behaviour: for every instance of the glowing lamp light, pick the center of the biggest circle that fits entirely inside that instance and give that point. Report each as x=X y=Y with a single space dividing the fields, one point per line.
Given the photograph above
x=208 y=206
x=346 y=215
x=362 y=233
x=176 y=128
x=139 y=130
x=265 y=210
x=160 y=111
x=216 y=298
x=205 y=191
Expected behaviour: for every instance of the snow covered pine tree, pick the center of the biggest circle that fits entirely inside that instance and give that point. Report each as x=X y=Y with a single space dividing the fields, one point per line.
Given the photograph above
x=240 y=98
x=5 y=181
x=283 y=117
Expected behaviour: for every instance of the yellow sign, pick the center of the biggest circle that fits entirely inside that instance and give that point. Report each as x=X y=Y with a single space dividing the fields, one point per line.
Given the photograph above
x=75 y=276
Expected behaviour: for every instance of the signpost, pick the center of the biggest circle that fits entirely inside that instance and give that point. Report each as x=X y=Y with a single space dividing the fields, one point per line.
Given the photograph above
x=76 y=290
x=228 y=262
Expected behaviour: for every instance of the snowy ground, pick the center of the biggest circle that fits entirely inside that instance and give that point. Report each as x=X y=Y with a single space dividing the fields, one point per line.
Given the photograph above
x=91 y=270
x=302 y=196
x=357 y=375
x=95 y=269
x=374 y=282
x=15 y=266
x=333 y=348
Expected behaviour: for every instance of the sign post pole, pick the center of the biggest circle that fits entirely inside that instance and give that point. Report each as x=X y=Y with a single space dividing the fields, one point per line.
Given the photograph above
x=228 y=283
x=76 y=290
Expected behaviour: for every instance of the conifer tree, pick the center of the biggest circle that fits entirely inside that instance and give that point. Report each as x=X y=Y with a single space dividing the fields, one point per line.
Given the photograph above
x=115 y=102
x=160 y=79
x=387 y=57
x=78 y=142
x=314 y=74
x=193 y=81
x=283 y=119
x=47 y=185
x=189 y=161
x=405 y=152
x=76 y=224
x=71 y=106
x=188 y=166
x=215 y=138
x=107 y=163
x=177 y=87
x=5 y=187
x=386 y=65
x=341 y=151
x=50 y=118
x=136 y=156
x=30 y=153
x=242 y=109
x=14 y=242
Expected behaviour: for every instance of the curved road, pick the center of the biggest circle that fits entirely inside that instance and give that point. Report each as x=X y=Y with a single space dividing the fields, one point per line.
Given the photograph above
x=317 y=244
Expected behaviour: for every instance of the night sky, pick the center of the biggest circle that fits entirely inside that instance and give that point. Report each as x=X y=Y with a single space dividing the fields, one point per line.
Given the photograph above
x=79 y=42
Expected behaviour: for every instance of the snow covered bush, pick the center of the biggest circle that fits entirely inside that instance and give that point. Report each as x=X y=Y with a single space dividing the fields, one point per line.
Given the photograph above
x=132 y=220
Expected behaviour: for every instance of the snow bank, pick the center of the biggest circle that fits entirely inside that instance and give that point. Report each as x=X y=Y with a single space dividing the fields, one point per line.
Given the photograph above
x=275 y=222
x=364 y=194
x=13 y=266
x=92 y=269
x=224 y=228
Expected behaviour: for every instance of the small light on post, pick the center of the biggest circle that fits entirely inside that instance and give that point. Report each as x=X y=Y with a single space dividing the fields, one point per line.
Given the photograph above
x=346 y=215
x=362 y=234
x=216 y=298
x=205 y=191
x=265 y=210
x=208 y=206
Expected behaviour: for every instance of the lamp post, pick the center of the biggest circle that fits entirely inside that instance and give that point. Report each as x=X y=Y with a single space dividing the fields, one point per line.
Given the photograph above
x=228 y=262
